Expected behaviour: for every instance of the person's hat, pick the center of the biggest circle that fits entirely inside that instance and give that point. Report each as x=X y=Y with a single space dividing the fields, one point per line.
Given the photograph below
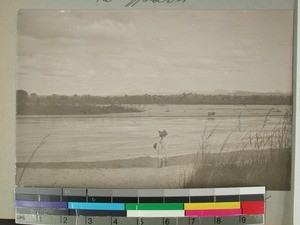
x=162 y=133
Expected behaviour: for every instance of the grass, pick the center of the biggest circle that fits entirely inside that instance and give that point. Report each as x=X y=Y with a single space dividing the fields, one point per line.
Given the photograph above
x=268 y=163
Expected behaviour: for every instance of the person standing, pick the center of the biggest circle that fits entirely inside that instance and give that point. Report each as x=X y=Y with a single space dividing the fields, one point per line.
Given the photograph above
x=161 y=148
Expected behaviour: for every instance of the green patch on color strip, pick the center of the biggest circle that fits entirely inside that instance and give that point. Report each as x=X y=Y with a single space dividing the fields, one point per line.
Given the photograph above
x=154 y=206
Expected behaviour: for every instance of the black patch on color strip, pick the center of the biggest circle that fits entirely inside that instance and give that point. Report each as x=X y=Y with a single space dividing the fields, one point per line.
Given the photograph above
x=245 y=198
x=120 y=213
x=26 y=197
x=202 y=198
x=74 y=199
x=100 y=199
x=125 y=199
x=227 y=198
x=151 y=199
x=176 y=199
x=49 y=198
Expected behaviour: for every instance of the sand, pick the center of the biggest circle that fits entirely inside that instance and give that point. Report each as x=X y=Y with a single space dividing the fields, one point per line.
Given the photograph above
x=142 y=172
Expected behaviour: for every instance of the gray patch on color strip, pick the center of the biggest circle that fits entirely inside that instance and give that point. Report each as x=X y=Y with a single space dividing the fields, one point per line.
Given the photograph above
x=151 y=193
x=125 y=192
x=100 y=192
x=202 y=192
x=227 y=191
x=26 y=190
x=176 y=192
x=74 y=192
x=252 y=190
x=49 y=191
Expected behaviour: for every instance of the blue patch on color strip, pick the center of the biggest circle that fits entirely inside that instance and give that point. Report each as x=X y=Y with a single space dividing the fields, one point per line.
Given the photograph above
x=96 y=206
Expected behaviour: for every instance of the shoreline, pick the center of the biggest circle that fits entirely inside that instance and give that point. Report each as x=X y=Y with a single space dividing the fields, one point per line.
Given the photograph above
x=150 y=162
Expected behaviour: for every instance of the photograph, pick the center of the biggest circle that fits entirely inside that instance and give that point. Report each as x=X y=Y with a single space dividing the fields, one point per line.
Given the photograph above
x=154 y=98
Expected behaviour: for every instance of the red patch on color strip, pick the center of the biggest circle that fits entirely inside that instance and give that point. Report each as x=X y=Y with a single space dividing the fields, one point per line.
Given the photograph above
x=253 y=207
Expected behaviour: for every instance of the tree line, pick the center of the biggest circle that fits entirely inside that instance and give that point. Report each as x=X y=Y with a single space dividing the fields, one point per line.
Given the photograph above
x=87 y=104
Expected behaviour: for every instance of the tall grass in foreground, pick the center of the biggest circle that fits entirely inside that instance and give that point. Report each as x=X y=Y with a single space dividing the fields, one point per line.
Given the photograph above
x=262 y=157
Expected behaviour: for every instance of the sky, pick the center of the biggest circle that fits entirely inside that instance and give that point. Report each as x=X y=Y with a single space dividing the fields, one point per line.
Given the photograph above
x=117 y=52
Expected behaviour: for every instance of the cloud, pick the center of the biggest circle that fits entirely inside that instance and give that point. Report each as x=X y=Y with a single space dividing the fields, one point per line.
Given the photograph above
x=52 y=24
x=107 y=52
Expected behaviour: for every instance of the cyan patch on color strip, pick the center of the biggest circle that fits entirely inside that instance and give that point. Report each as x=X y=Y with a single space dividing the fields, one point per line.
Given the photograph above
x=96 y=206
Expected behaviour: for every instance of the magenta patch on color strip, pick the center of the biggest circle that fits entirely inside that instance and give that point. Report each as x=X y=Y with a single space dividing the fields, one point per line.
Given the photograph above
x=218 y=212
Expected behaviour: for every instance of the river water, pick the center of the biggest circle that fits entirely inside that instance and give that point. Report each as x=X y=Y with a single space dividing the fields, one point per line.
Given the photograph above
x=121 y=136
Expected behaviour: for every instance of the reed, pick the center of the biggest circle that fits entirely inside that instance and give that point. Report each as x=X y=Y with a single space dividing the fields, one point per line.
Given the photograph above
x=268 y=162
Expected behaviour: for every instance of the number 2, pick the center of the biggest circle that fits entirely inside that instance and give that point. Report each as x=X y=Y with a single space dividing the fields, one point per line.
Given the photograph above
x=64 y=220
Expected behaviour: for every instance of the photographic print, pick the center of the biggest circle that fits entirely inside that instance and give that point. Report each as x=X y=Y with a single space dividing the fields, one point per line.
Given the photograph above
x=154 y=98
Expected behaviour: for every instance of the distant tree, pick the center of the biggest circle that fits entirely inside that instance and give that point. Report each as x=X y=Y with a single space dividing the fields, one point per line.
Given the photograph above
x=33 y=95
x=22 y=97
x=34 y=99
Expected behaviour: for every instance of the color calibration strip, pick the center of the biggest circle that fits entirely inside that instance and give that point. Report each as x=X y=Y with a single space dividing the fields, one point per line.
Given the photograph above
x=53 y=206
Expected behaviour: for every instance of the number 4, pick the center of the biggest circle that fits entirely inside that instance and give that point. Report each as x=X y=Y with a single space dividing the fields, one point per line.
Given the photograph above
x=115 y=221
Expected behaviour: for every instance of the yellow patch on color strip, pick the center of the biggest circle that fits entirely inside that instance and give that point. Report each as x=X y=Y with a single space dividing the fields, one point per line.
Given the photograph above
x=212 y=205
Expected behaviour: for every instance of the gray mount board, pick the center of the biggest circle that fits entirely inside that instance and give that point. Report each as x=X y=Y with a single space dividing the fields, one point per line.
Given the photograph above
x=177 y=4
